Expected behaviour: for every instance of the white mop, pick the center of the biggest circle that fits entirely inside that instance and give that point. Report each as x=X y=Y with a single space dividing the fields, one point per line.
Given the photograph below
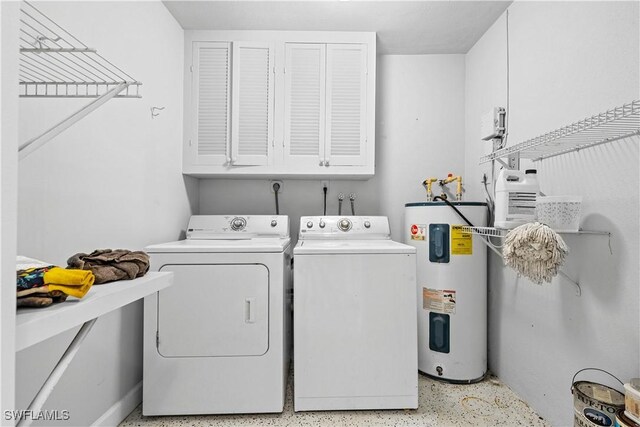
x=534 y=251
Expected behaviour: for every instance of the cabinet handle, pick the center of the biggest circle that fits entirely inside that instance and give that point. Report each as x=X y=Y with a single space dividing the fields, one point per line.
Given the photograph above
x=249 y=315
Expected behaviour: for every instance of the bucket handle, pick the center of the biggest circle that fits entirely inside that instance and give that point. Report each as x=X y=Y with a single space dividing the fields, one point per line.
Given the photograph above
x=573 y=380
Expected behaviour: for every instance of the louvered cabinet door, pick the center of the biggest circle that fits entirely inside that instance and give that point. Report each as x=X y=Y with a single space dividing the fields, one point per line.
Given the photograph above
x=211 y=102
x=252 y=106
x=346 y=96
x=304 y=106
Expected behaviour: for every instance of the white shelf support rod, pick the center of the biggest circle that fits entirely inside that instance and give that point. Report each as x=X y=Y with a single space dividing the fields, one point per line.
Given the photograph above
x=33 y=144
x=54 y=377
x=485 y=240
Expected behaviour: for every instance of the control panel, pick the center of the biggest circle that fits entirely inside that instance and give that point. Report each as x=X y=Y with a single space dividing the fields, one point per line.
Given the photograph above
x=208 y=227
x=344 y=227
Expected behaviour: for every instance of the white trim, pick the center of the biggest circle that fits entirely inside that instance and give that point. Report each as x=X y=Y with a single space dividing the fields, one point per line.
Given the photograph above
x=121 y=409
x=281 y=36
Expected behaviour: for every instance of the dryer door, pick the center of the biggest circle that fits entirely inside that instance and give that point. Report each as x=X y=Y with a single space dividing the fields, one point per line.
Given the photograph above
x=214 y=310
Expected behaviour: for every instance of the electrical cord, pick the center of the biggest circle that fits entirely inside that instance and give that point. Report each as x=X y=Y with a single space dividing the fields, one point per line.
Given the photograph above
x=324 y=189
x=490 y=202
x=276 y=188
x=506 y=116
x=461 y=215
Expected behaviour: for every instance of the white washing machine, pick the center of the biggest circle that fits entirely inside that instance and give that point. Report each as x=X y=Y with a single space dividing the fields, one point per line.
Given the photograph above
x=355 y=337
x=218 y=341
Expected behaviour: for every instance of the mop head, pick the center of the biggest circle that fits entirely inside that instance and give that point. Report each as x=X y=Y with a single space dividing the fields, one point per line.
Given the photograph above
x=534 y=251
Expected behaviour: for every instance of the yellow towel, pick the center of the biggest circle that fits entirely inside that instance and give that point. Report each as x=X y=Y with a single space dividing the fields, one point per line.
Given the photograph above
x=74 y=291
x=70 y=277
x=75 y=283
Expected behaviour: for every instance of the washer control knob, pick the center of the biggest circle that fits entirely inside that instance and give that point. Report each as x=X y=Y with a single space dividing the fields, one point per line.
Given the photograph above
x=274 y=223
x=238 y=223
x=367 y=224
x=309 y=224
x=344 y=224
x=322 y=224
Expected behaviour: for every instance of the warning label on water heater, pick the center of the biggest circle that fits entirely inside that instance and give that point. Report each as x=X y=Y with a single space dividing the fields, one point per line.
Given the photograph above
x=461 y=241
x=418 y=231
x=439 y=301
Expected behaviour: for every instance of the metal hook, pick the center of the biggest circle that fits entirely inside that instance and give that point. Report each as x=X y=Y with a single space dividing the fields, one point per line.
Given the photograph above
x=153 y=111
x=41 y=39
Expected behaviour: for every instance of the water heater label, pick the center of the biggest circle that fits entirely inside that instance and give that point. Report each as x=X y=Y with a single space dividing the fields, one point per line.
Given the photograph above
x=418 y=231
x=439 y=301
x=461 y=241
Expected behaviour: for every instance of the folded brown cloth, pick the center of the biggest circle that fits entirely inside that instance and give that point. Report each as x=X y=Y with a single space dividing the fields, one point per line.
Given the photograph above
x=111 y=265
x=40 y=299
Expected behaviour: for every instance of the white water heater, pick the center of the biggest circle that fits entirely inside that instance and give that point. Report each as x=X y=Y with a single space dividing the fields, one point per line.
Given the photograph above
x=451 y=289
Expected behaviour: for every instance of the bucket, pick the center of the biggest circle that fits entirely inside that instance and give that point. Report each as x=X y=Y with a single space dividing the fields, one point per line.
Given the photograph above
x=622 y=420
x=632 y=399
x=595 y=405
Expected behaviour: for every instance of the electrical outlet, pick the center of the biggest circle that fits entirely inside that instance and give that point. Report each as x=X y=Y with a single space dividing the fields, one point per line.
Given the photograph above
x=324 y=184
x=492 y=124
x=272 y=183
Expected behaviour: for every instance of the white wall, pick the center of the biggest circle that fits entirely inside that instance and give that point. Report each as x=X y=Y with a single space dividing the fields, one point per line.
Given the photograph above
x=9 y=13
x=113 y=180
x=569 y=60
x=420 y=132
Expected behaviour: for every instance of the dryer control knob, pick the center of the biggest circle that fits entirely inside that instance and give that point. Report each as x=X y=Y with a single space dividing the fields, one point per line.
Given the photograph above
x=344 y=224
x=309 y=224
x=274 y=223
x=322 y=224
x=367 y=224
x=238 y=223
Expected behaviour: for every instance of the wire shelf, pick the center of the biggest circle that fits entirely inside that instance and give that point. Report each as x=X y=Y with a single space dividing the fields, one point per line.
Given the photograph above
x=612 y=125
x=485 y=231
x=54 y=63
x=500 y=232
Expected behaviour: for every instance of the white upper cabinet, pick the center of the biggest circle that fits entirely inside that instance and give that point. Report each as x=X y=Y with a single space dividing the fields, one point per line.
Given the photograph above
x=287 y=104
x=252 y=104
x=304 y=105
x=346 y=105
x=209 y=143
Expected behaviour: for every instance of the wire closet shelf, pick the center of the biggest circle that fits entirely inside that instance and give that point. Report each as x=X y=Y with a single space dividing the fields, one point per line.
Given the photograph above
x=611 y=125
x=55 y=64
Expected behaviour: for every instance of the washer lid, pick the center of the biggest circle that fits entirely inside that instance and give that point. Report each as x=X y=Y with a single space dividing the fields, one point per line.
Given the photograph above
x=257 y=244
x=335 y=246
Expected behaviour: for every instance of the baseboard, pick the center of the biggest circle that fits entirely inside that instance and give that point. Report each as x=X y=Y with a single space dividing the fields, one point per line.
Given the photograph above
x=123 y=407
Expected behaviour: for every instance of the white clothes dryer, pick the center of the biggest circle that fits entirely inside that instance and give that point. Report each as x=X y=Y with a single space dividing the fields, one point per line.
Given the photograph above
x=355 y=338
x=218 y=341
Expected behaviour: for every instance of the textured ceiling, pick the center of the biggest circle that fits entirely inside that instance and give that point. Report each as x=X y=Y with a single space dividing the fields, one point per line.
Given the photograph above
x=403 y=27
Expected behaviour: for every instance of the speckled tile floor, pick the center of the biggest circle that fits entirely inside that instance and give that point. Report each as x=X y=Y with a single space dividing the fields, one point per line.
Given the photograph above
x=488 y=403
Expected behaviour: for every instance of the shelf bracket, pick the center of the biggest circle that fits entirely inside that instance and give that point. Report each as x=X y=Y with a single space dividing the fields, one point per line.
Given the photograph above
x=54 y=377
x=33 y=144
x=576 y=284
x=485 y=240
x=513 y=161
x=502 y=162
